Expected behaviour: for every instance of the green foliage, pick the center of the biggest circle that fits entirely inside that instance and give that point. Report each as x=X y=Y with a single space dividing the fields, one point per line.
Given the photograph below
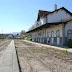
x=22 y=32
x=69 y=43
x=41 y=49
x=29 y=39
x=1 y=40
x=65 y=51
x=29 y=57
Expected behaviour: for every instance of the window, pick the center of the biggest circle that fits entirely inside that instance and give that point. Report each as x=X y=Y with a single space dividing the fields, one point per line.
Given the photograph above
x=48 y=34
x=58 y=33
x=52 y=34
x=69 y=34
x=69 y=31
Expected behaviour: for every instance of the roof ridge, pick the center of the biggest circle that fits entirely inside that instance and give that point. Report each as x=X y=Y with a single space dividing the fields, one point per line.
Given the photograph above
x=62 y=8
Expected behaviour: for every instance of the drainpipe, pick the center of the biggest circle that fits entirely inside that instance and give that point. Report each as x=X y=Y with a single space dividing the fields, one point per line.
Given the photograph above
x=38 y=35
x=63 y=34
x=46 y=18
x=45 y=35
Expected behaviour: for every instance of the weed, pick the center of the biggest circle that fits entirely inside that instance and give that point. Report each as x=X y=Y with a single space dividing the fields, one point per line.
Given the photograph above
x=41 y=49
x=29 y=57
x=65 y=51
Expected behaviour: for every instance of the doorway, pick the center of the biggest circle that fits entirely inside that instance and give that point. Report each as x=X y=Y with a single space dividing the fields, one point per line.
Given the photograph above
x=52 y=38
x=58 y=37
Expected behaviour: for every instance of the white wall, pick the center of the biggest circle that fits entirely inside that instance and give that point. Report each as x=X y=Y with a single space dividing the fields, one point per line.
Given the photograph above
x=54 y=29
x=57 y=16
x=43 y=20
x=50 y=29
x=67 y=27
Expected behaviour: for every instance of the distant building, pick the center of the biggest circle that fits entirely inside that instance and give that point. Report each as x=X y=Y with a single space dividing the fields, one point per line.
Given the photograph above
x=6 y=36
x=17 y=37
x=52 y=27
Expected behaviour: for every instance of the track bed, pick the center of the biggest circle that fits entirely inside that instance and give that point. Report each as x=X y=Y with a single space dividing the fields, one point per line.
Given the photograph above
x=34 y=58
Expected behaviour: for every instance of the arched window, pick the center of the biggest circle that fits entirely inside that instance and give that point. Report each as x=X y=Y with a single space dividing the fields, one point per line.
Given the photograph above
x=52 y=34
x=48 y=34
x=58 y=33
x=69 y=34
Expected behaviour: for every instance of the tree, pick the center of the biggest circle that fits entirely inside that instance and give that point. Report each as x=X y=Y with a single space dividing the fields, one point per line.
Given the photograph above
x=17 y=34
x=22 y=32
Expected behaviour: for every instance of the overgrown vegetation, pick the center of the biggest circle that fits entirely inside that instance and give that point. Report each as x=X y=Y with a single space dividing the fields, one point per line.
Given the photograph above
x=41 y=49
x=69 y=43
x=65 y=51
x=29 y=39
x=29 y=57
x=1 y=40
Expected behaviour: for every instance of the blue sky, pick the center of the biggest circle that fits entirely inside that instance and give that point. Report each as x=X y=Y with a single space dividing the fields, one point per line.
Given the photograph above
x=17 y=15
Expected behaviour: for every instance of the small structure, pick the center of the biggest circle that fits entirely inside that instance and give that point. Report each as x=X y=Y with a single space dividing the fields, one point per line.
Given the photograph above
x=17 y=37
x=6 y=36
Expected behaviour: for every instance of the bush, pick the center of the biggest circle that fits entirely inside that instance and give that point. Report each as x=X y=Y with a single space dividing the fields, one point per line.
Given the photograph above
x=65 y=51
x=29 y=39
x=69 y=43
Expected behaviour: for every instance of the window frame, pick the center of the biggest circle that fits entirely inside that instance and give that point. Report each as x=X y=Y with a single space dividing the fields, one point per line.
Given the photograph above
x=58 y=33
x=52 y=33
x=69 y=30
x=69 y=33
x=47 y=34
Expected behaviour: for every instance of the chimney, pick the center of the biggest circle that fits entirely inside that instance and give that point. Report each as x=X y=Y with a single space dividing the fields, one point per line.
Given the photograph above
x=55 y=7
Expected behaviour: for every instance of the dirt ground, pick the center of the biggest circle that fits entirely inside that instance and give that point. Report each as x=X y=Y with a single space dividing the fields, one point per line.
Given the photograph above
x=35 y=58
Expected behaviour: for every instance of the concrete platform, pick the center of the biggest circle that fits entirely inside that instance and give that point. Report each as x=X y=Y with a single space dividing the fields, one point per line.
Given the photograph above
x=49 y=46
x=8 y=61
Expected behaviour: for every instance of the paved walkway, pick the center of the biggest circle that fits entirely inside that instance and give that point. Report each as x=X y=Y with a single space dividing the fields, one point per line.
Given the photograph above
x=49 y=46
x=8 y=61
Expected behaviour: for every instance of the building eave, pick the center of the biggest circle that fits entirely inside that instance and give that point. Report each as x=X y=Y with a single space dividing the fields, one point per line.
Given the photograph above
x=47 y=25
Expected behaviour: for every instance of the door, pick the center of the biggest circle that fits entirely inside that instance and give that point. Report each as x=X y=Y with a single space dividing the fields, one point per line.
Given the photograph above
x=52 y=40
x=58 y=40
x=58 y=37
x=48 y=38
x=52 y=37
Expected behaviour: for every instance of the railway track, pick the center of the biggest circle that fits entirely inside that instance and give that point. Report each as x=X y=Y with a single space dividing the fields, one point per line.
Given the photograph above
x=36 y=61
x=3 y=46
x=27 y=50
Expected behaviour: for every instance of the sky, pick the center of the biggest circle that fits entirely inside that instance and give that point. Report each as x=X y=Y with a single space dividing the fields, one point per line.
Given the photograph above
x=17 y=15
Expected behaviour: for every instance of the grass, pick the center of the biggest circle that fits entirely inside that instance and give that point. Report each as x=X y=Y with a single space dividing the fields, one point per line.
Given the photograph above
x=1 y=40
x=41 y=49
x=65 y=52
x=29 y=57
x=28 y=39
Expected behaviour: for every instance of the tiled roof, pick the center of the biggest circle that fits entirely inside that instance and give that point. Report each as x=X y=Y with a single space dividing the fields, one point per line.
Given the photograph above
x=68 y=19
x=60 y=9
x=42 y=13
